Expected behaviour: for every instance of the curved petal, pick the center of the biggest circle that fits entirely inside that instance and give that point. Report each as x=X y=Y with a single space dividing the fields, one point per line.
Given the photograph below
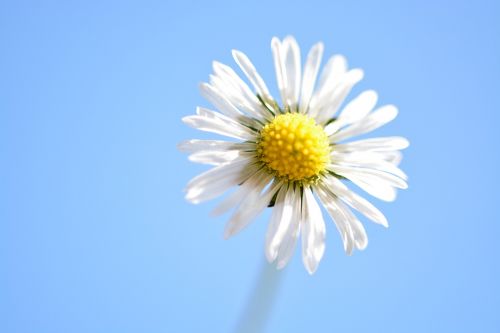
x=291 y=235
x=374 y=186
x=279 y=67
x=355 y=110
x=250 y=208
x=214 y=126
x=274 y=223
x=330 y=77
x=359 y=232
x=376 y=119
x=214 y=157
x=337 y=188
x=369 y=174
x=251 y=73
x=368 y=159
x=329 y=106
x=380 y=144
x=258 y=180
x=310 y=73
x=338 y=217
x=218 y=180
x=313 y=232
x=292 y=68
x=195 y=145
x=247 y=99
x=281 y=221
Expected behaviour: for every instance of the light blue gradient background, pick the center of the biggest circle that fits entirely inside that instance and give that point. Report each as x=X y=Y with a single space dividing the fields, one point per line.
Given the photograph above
x=95 y=235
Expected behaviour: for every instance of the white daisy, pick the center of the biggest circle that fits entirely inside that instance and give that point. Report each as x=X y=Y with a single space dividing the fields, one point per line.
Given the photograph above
x=289 y=155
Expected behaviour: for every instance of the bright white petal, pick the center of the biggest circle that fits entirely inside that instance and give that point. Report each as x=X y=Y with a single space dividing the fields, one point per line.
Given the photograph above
x=215 y=126
x=337 y=188
x=331 y=105
x=249 y=209
x=281 y=220
x=381 y=144
x=258 y=180
x=393 y=157
x=214 y=157
x=279 y=67
x=310 y=73
x=338 y=217
x=194 y=146
x=234 y=97
x=374 y=186
x=313 y=232
x=376 y=119
x=274 y=223
x=219 y=100
x=367 y=159
x=368 y=174
x=289 y=241
x=218 y=180
x=291 y=54
x=331 y=76
x=248 y=101
x=355 y=110
x=253 y=76
x=211 y=121
x=359 y=232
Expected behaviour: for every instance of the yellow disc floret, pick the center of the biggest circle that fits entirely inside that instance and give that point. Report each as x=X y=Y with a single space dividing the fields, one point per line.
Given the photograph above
x=294 y=147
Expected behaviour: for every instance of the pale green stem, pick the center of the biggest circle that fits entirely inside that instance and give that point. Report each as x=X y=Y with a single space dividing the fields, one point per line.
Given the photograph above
x=260 y=303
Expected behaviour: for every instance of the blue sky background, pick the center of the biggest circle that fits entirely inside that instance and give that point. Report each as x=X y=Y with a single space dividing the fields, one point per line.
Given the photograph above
x=95 y=235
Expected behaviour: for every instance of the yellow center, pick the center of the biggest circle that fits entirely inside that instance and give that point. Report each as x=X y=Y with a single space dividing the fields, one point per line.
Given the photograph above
x=294 y=147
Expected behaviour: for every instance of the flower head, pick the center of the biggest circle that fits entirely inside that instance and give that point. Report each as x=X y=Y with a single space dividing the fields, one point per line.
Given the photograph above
x=288 y=155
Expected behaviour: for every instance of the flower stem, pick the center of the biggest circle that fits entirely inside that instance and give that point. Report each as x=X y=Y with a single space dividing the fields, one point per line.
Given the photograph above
x=260 y=303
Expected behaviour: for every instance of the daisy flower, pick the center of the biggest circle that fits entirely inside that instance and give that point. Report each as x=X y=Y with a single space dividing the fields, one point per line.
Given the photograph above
x=293 y=155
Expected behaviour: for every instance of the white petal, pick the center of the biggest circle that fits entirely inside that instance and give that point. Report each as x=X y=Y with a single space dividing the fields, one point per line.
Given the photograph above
x=251 y=103
x=279 y=67
x=332 y=104
x=291 y=235
x=393 y=157
x=367 y=159
x=195 y=145
x=291 y=54
x=258 y=180
x=219 y=100
x=381 y=144
x=235 y=97
x=376 y=119
x=359 y=232
x=313 y=232
x=253 y=76
x=337 y=188
x=368 y=174
x=341 y=221
x=214 y=157
x=214 y=126
x=216 y=181
x=374 y=186
x=274 y=222
x=249 y=209
x=281 y=220
x=310 y=73
x=355 y=110
x=237 y=92
x=332 y=73
x=211 y=121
